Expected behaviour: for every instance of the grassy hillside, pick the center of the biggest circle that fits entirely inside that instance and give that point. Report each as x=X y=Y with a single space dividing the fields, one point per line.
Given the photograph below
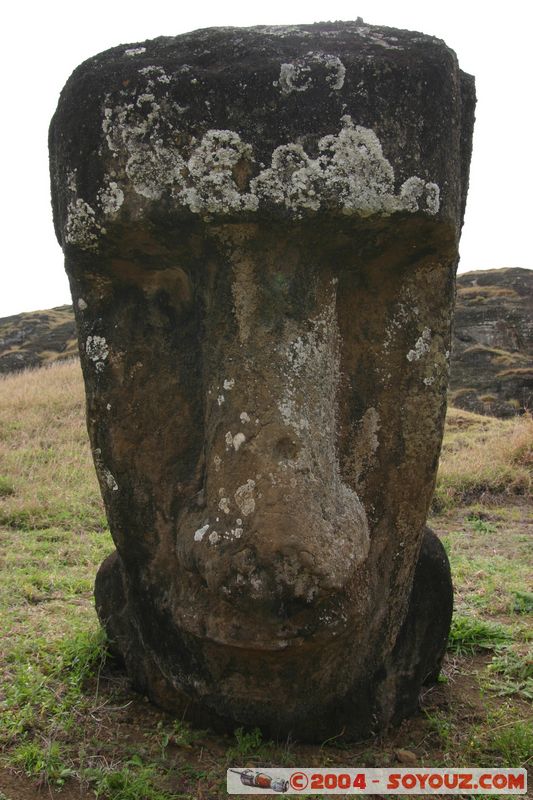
x=70 y=722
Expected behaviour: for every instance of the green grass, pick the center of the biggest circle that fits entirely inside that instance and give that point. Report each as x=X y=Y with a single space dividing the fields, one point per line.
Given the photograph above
x=469 y=635
x=522 y=602
x=248 y=745
x=177 y=734
x=479 y=524
x=511 y=673
x=6 y=487
x=442 y=727
x=511 y=744
x=45 y=687
x=45 y=762
x=491 y=564
x=503 y=741
x=134 y=781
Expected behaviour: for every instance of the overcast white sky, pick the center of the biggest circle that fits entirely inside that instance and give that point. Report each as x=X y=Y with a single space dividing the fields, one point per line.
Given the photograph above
x=43 y=42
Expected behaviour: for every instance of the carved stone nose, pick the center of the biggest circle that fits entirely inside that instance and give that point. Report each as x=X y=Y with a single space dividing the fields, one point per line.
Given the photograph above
x=261 y=248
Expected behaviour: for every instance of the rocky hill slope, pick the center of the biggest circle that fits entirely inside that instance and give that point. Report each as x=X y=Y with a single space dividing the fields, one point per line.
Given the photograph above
x=492 y=356
x=35 y=338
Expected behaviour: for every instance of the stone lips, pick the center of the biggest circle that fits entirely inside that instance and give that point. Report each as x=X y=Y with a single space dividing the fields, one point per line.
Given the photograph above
x=261 y=251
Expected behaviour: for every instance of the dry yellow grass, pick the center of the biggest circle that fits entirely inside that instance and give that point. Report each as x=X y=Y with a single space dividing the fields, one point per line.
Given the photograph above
x=46 y=468
x=467 y=292
x=484 y=456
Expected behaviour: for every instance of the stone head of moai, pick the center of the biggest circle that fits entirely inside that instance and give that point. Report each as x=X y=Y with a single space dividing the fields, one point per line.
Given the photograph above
x=260 y=227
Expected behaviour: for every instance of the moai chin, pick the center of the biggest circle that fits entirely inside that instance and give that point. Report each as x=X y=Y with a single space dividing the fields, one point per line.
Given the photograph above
x=260 y=228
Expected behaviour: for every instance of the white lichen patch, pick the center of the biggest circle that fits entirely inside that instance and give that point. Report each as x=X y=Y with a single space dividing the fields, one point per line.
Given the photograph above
x=135 y=51
x=281 y=31
x=415 y=191
x=214 y=537
x=213 y=172
x=229 y=383
x=212 y=176
x=375 y=37
x=299 y=75
x=110 y=480
x=224 y=505
x=294 y=78
x=220 y=399
x=72 y=181
x=82 y=305
x=96 y=348
x=146 y=97
x=111 y=198
x=234 y=441
x=350 y=171
x=422 y=346
x=294 y=180
x=154 y=168
x=432 y=198
x=244 y=417
x=256 y=585
x=244 y=498
x=82 y=228
x=156 y=73
x=105 y=475
x=238 y=440
x=200 y=533
x=336 y=72
x=134 y=135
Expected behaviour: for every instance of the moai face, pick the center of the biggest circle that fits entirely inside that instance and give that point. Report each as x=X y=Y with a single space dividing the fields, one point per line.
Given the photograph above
x=260 y=228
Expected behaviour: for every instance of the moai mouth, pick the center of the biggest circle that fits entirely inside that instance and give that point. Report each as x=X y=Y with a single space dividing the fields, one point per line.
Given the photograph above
x=260 y=228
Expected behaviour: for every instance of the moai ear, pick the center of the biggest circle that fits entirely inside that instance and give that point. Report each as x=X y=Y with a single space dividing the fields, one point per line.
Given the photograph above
x=260 y=228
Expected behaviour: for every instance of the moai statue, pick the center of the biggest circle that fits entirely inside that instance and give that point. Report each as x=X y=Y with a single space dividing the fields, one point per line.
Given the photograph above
x=261 y=229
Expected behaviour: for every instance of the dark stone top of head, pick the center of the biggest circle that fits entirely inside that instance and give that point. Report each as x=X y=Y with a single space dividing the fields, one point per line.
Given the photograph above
x=336 y=118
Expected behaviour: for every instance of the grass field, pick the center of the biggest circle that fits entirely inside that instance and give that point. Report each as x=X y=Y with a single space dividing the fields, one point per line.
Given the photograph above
x=72 y=728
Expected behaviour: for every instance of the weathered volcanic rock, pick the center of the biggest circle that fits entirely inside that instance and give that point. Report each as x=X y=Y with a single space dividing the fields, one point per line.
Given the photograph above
x=260 y=228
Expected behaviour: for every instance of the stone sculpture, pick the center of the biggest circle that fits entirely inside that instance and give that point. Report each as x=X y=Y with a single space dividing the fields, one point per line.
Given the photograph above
x=261 y=229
